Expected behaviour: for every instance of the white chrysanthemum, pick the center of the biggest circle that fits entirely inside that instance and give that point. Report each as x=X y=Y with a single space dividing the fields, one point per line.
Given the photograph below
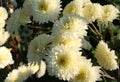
x=18 y=17
x=63 y=62
x=106 y=57
x=110 y=13
x=42 y=69
x=3 y=14
x=12 y=23
x=45 y=10
x=2 y=24
x=5 y=57
x=37 y=47
x=87 y=73
x=76 y=7
x=92 y=11
x=4 y=35
x=70 y=26
x=22 y=73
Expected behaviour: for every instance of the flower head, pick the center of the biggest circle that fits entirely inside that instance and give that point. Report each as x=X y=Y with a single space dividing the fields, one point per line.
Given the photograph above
x=5 y=57
x=76 y=7
x=70 y=26
x=110 y=13
x=92 y=11
x=63 y=62
x=37 y=47
x=87 y=72
x=18 y=17
x=106 y=57
x=12 y=23
x=44 y=11
x=3 y=14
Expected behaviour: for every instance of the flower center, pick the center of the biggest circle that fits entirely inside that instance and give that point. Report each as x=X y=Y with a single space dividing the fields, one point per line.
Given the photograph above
x=63 y=61
x=35 y=49
x=82 y=75
x=64 y=42
x=43 y=7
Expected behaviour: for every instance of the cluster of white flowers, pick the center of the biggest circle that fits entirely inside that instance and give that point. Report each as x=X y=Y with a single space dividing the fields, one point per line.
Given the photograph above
x=92 y=11
x=42 y=11
x=61 y=51
x=64 y=60
x=5 y=54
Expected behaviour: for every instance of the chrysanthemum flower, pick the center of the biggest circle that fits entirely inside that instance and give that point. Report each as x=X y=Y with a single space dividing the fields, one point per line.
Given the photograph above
x=106 y=57
x=37 y=47
x=110 y=13
x=87 y=73
x=4 y=35
x=45 y=10
x=70 y=26
x=18 y=17
x=2 y=24
x=5 y=57
x=3 y=14
x=76 y=7
x=63 y=62
x=22 y=73
x=92 y=11
x=12 y=23
x=42 y=69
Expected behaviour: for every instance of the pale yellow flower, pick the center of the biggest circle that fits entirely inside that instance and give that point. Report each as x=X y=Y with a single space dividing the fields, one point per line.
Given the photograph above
x=63 y=62
x=106 y=57
x=87 y=72
x=44 y=11
x=92 y=12
x=76 y=7
x=70 y=26
x=110 y=13
x=5 y=57
x=36 y=49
